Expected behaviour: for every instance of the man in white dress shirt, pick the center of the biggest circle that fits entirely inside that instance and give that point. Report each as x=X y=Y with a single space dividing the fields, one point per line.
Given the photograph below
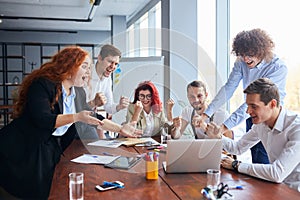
x=197 y=95
x=278 y=130
x=99 y=90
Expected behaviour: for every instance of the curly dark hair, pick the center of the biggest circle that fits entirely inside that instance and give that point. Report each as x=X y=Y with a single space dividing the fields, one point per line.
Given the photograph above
x=255 y=42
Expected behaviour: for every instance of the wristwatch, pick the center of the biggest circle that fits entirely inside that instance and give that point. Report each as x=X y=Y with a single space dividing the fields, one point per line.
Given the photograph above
x=235 y=165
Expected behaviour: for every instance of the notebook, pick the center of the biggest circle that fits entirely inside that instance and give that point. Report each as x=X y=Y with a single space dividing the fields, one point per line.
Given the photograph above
x=185 y=156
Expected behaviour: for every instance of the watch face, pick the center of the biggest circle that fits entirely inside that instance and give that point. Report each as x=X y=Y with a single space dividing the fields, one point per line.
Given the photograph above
x=235 y=164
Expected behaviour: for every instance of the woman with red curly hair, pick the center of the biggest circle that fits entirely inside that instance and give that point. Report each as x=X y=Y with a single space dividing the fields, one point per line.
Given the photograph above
x=147 y=110
x=31 y=145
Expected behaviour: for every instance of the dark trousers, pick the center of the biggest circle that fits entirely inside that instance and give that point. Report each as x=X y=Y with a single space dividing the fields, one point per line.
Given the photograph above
x=258 y=152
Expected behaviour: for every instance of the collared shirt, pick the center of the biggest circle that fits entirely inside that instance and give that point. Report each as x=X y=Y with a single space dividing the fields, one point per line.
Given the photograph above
x=68 y=108
x=275 y=70
x=103 y=85
x=219 y=117
x=282 y=143
x=149 y=124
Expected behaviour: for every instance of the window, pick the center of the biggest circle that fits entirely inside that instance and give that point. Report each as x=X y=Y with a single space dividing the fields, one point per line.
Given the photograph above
x=143 y=36
x=275 y=18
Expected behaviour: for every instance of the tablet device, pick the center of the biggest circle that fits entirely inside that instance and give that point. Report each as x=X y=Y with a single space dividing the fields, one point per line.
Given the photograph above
x=123 y=162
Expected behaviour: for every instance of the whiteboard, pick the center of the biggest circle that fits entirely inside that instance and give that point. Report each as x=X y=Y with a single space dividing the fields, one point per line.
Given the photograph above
x=130 y=73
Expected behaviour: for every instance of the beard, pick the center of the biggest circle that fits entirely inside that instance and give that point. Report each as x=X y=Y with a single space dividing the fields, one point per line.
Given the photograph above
x=198 y=106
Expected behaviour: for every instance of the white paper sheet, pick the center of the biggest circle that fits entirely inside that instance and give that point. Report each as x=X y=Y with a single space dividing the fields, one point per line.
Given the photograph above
x=107 y=143
x=118 y=142
x=94 y=159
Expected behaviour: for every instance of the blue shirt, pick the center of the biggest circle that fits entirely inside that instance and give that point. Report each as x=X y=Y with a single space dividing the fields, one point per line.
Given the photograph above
x=68 y=108
x=275 y=70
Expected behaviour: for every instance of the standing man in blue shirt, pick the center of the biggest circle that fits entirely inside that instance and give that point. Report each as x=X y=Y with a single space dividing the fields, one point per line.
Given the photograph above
x=255 y=59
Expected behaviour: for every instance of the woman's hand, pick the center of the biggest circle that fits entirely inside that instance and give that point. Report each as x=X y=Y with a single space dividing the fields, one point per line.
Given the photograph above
x=169 y=105
x=169 y=108
x=86 y=117
x=138 y=107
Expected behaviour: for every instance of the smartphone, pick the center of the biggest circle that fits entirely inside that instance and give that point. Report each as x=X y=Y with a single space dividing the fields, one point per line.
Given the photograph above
x=105 y=187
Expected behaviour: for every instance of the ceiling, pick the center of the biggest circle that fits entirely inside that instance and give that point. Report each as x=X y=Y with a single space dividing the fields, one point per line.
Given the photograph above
x=62 y=15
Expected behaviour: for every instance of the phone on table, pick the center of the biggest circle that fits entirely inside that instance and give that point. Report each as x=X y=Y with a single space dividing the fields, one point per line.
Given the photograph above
x=111 y=185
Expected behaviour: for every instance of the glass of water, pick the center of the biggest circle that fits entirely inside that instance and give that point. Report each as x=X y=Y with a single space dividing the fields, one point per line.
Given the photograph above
x=76 y=186
x=164 y=135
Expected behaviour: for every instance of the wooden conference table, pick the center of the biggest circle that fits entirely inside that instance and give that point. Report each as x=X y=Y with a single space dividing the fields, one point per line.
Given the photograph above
x=168 y=186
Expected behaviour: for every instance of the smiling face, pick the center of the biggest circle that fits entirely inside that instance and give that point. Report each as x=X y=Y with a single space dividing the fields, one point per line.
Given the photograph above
x=107 y=65
x=83 y=73
x=251 y=61
x=197 y=97
x=259 y=112
x=145 y=97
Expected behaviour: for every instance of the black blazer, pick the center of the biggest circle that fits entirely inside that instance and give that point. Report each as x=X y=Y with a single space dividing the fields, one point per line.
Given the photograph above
x=28 y=150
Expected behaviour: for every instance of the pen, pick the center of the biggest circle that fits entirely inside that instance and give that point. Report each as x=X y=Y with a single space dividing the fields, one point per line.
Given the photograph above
x=160 y=150
x=237 y=187
x=155 y=147
x=108 y=154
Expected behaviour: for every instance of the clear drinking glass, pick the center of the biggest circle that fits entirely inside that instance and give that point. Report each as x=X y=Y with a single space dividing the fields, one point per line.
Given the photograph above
x=76 y=186
x=164 y=135
x=213 y=178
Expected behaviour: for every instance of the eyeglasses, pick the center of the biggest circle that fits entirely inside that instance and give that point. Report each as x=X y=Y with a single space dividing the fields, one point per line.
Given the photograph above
x=142 y=96
x=209 y=194
x=222 y=189
x=249 y=55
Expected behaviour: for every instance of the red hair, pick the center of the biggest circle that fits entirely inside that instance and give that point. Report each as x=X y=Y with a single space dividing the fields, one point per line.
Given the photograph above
x=156 y=102
x=62 y=66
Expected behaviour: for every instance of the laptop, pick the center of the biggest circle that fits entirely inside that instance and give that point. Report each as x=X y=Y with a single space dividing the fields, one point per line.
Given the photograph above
x=185 y=156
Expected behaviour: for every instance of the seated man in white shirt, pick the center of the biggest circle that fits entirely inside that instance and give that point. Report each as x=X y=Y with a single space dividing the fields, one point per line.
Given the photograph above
x=278 y=130
x=197 y=96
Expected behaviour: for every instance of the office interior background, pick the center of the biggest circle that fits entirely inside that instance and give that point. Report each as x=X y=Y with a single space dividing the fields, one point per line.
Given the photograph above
x=194 y=38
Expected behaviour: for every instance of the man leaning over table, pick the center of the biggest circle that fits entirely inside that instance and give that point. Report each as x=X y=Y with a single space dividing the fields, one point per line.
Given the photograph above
x=255 y=59
x=277 y=128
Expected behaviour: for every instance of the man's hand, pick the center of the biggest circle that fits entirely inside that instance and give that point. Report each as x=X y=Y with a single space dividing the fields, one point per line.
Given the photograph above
x=177 y=122
x=123 y=103
x=226 y=132
x=199 y=122
x=227 y=162
x=129 y=130
x=99 y=99
x=213 y=131
x=176 y=127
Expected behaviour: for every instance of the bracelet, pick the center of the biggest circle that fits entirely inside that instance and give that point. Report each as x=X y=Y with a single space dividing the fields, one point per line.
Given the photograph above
x=235 y=165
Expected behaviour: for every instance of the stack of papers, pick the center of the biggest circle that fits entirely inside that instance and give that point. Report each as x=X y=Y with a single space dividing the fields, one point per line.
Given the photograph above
x=94 y=159
x=122 y=141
